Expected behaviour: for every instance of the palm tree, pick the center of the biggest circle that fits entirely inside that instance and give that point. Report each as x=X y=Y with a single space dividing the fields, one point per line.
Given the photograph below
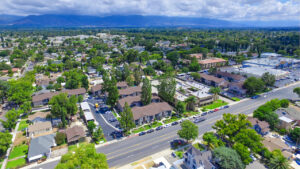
x=215 y=91
x=279 y=162
x=190 y=103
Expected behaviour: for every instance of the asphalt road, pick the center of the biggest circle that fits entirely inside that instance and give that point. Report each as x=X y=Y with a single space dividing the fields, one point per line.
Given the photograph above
x=135 y=148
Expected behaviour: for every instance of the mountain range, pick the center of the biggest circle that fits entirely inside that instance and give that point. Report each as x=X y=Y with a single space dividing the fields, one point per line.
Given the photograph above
x=51 y=20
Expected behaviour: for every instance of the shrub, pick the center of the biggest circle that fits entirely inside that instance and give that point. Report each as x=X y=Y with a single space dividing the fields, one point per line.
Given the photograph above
x=60 y=138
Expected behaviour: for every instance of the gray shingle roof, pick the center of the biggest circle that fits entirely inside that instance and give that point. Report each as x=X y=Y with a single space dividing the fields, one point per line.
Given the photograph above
x=41 y=145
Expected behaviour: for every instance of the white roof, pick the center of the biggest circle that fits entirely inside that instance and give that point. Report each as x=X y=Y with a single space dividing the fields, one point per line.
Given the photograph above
x=85 y=106
x=283 y=118
x=88 y=116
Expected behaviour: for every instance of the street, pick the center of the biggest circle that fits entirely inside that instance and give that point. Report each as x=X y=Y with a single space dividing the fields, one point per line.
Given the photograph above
x=138 y=147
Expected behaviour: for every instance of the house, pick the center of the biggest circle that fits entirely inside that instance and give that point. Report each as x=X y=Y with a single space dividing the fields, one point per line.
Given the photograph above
x=261 y=127
x=122 y=85
x=285 y=122
x=196 y=159
x=133 y=101
x=130 y=91
x=237 y=89
x=212 y=62
x=56 y=122
x=197 y=55
x=38 y=117
x=39 y=128
x=96 y=90
x=43 y=99
x=148 y=113
x=75 y=134
x=40 y=147
x=273 y=143
x=230 y=77
x=212 y=80
x=288 y=116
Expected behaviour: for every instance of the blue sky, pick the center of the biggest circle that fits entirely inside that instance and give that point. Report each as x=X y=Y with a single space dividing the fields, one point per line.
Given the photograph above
x=220 y=9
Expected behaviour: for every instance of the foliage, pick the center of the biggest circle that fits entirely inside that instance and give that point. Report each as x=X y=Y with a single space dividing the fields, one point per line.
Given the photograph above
x=268 y=79
x=85 y=156
x=297 y=91
x=167 y=89
x=23 y=125
x=215 y=90
x=243 y=152
x=284 y=103
x=5 y=141
x=91 y=126
x=194 y=66
x=249 y=138
x=146 y=92
x=16 y=163
x=195 y=75
x=211 y=140
x=113 y=92
x=278 y=161
x=188 y=130
x=126 y=120
x=295 y=134
x=11 y=119
x=98 y=134
x=190 y=102
x=228 y=158
x=137 y=73
x=18 y=151
x=60 y=138
x=254 y=85
x=20 y=91
x=215 y=104
x=180 y=107
x=75 y=79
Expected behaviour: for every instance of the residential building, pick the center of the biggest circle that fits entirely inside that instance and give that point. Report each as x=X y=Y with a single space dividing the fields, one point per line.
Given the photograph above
x=212 y=62
x=39 y=128
x=134 y=101
x=75 y=134
x=130 y=91
x=151 y=62
x=261 y=127
x=213 y=81
x=273 y=143
x=96 y=90
x=43 y=99
x=197 y=56
x=237 y=89
x=148 y=113
x=230 y=76
x=122 y=85
x=38 y=117
x=196 y=159
x=40 y=147
x=288 y=117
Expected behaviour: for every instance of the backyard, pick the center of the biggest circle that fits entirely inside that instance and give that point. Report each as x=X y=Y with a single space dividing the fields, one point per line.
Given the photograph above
x=18 y=151
x=23 y=125
x=215 y=104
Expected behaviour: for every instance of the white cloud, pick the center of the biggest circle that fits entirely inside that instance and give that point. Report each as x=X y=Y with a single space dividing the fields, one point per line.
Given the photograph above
x=222 y=9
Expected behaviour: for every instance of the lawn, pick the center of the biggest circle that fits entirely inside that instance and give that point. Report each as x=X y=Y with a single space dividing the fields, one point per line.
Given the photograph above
x=72 y=147
x=23 y=125
x=235 y=99
x=18 y=151
x=190 y=113
x=198 y=146
x=16 y=163
x=179 y=154
x=172 y=119
x=147 y=127
x=215 y=104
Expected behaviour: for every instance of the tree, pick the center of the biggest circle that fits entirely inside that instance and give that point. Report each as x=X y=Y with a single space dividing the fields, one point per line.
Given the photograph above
x=254 y=85
x=60 y=138
x=138 y=72
x=11 y=119
x=130 y=81
x=228 y=158
x=167 y=89
x=243 y=152
x=180 y=107
x=297 y=91
x=215 y=91
x=194 y=66
x=278 y=161
x=188 y=130
x=249 y=138
x=268 y=79
x=20 y=91
x=84 y=156
x=91 y=126
x=5 y=141
x=131 y=55
x=173 y=57
x=295 y=135
x=195 y=75
x=113 y=95
x=146 y=96
x=190 y=103
x=211 y=140
x=98 y=134
x=4 y=86
x=284 y=103
x=127 y=121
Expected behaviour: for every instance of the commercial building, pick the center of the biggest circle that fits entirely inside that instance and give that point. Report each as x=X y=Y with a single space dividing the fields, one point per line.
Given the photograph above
x=258 y=71
x=212 y=62
x=272 y=62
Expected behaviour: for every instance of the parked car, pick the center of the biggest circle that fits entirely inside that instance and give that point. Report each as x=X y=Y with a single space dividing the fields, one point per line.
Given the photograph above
x=203 y=114
x=198 y=120
x=211 y=111
x=167 y=125
x=173 y=154
x=225 y=107
x=255 y=97
x=177 y=142
x=150 y=131
x=159 y=128
x=142 y=133
x=215 y=110
x=174 y=123
x=253 y=158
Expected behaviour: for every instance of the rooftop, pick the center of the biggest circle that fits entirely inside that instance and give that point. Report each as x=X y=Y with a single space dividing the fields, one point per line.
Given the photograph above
x=150 y=110
x=41 y=145
x=39 y=126
x=211 y=60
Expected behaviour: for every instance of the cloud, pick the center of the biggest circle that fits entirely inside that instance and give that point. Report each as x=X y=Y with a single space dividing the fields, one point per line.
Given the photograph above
x=221 y=9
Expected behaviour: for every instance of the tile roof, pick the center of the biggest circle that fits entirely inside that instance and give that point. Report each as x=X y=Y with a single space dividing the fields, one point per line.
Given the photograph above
x=150 y=110
x=276 y=143
x=75 y=133
x=130 y=90
x=39 y=126
x=122 y=84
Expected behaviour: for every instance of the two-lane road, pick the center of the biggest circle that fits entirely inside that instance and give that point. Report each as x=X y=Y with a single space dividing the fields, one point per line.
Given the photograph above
x=135 y=148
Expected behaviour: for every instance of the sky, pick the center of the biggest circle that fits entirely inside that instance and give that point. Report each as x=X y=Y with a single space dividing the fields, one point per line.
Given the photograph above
x=219 y=9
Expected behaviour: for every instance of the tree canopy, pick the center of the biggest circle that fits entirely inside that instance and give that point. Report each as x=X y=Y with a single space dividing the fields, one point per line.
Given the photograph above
x=188 y=130
x=146 y=92
x=228 y=158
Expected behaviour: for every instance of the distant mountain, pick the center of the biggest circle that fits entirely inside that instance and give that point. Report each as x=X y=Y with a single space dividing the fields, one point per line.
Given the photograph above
x=50 y=20
x=117 y=21
x=7 y=19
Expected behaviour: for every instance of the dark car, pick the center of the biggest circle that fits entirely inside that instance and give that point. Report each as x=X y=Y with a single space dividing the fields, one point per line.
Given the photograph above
x=177 y=142
x=225 y=107
x=142 y=133
x=174 y=123
x=159 y=128
x=198 y=120
x=255 y=97
x=150 y=131
x=203 y=114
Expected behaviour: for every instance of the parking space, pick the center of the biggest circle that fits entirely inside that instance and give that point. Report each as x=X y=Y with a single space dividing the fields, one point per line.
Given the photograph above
x=292 y=78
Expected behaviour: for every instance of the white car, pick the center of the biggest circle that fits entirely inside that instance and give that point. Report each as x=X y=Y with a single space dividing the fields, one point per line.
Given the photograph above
x=167 y=125
x=253 y=158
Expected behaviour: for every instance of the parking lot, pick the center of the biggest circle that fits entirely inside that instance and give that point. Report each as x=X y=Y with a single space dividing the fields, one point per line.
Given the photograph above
x=293 y=77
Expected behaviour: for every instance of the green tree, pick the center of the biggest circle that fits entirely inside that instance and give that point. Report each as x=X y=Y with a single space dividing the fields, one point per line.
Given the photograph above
x=5 y=141
x=295 y=135
x=4 y=86
x=249 y=138
x=278 y=161
x=284 y=103
x=243 y=152
x=211 y=140
x=60 y=138
x=91 y=126
x=131 y=55
x=297 y=91
x=268 y=79
x=228 y=158
x=254 y=85
x=180 y=107
x=146 y=96
x=190 y=103
x=188 y=130
x=20 y=91
x=11 y=119
x=113 y=95
x=137 y=73
x=194 y=66
x=173 y=57
x=98 y=134
x=195 y=75
x=167 y=89
x=127 y=121
x=85 y=156
x=130 y=81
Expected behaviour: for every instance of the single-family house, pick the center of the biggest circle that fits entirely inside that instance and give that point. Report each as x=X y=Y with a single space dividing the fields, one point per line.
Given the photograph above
x=148 y=113
x=130 y=91
x=56 y=122
x=196 y=159
x=273 y=143
x=261 y=127
x=40 y=147
x=39 y=117
x=39 y=128
x=75 y=134
x=197 y=56
x=96 y=90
